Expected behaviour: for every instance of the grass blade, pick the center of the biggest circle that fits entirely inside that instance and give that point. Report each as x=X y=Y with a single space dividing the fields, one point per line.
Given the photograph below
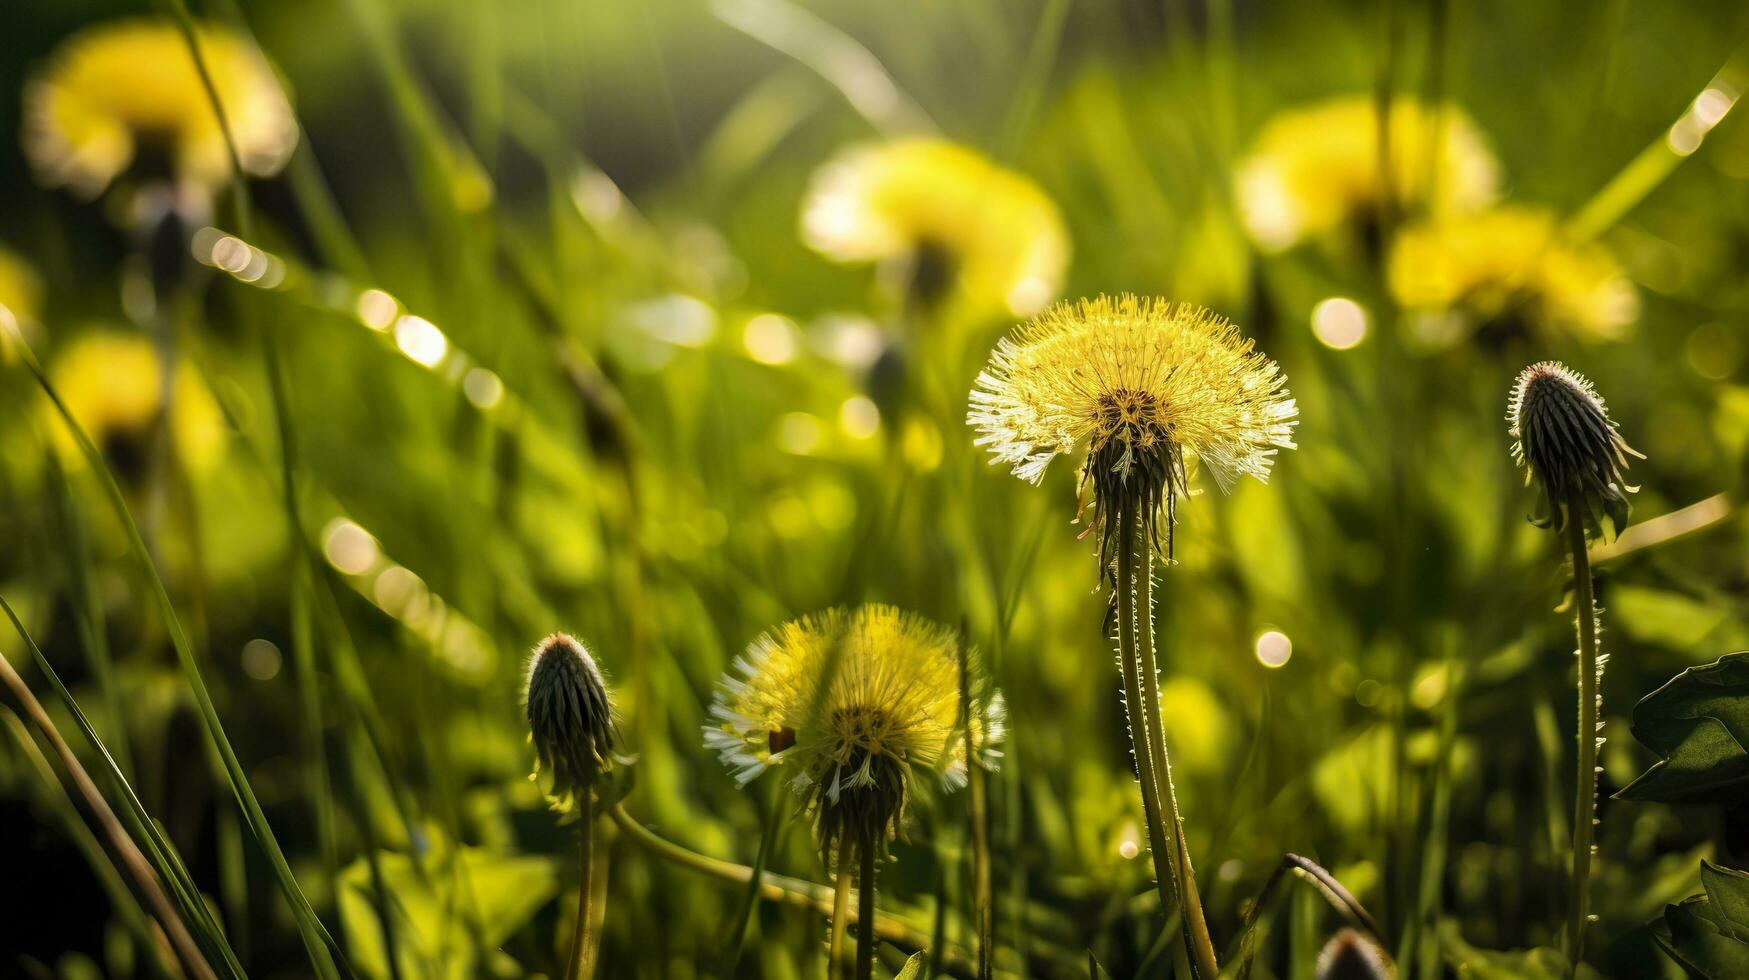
x=325 y=953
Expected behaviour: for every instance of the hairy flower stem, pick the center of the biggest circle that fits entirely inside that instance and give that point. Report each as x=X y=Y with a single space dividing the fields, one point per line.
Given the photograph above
x=1161 y=845
x=580 y=965
x=865 y=899
x=1585 y=799
x=840 y=913
x=1201 y=943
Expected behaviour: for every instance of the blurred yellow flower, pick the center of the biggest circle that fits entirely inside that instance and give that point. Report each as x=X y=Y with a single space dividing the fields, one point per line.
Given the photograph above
x=1316 y=168
x=854 y=701
x=936 y=203
x=112 y=383
x=1511 y=258
x=20 y=300
x=116 y=88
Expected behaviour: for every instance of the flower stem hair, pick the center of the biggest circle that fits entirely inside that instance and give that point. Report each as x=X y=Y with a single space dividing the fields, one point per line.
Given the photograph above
x=1577 y=461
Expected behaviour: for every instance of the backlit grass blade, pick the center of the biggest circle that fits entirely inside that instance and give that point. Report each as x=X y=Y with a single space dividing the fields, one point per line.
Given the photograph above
x=156 y=848
x=325 y=953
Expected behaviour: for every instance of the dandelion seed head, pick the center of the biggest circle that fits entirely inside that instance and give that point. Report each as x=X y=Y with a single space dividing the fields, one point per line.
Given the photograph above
x=570 y=718
x=854 y=703
x=1147 y=388
x=118 y=87
x=1570 y=449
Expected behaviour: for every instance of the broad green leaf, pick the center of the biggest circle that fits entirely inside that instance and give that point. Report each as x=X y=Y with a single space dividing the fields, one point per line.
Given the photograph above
x=912 y=969
x=1692 y=934
x=1699 y=723
x=1471 y=963
x=1728 y=891
x=503 y=892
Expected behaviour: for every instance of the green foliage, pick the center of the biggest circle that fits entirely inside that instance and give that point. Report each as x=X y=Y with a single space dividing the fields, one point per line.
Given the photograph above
x=1698 y=723
x=1709 y=934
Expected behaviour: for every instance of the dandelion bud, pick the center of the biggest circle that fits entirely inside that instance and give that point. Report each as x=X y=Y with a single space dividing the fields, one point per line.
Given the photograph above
x=1351 y=956
x=570 y=717
x=1570 y=448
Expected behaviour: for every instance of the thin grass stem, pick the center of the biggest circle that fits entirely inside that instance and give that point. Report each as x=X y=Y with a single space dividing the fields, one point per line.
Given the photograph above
x=145 y=881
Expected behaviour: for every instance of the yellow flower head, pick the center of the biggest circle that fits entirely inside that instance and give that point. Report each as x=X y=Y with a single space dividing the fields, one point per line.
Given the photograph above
x=113 y=385
x=1510 y=259
x=853 y=701
x=1141 y=384
x=115 y=88
x=1314 y=169
x=20 y=300
x=935 y=203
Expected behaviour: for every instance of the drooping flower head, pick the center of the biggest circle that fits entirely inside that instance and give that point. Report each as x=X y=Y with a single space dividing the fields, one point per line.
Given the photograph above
x=570 y=718
x=113 y=385
x=1487 y=266
x=1570 y=449
x=1316 y=168
x=1143 y=385
x=961 y=221
x=117 y=88
x=854 y=702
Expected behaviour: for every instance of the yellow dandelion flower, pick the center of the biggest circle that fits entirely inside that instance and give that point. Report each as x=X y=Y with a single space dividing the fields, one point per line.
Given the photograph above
x=945 y=209
x=1142 y=384
x=20 y=301
x=1510 y=259
x=853 y=701
x=113 y=385
x=117 y=88
x=1317 y=168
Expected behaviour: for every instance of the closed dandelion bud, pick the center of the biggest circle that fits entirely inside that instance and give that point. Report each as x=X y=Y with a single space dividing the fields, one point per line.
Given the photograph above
x=854 y=702
x=1351 y=956
x=570 y=718
x=1570 y=449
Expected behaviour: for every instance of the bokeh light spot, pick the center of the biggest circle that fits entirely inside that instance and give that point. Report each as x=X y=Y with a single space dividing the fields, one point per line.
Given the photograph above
x=261 y=659
x=771 y=339
x=420 y=340
x=1274 y=649
x=1339 y=322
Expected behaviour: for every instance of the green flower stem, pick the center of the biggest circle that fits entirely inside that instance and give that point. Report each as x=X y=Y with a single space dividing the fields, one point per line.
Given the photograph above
x=777 y=888
x=578 y=966
x=1585 y=798
x=1160 y=845
x=840 y=913
x=1202 y=945
x=865 y=899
